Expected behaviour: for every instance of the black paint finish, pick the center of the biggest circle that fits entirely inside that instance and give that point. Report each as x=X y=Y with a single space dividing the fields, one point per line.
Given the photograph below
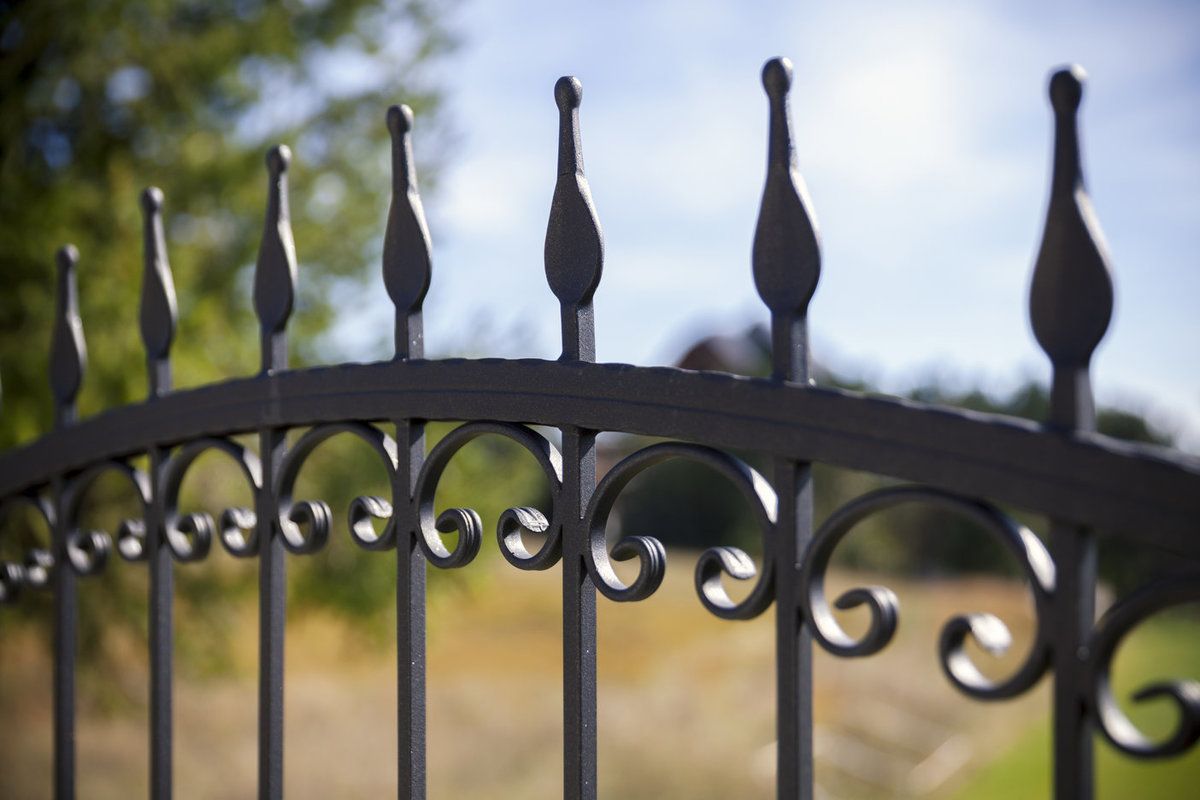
x=966 y=463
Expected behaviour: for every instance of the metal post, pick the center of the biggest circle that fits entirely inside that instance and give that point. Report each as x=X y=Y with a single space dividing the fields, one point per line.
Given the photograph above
x=274 y=290
x=158 y=316
x=407 y=273
x=1070 y=305
x=574 y=262
x=787 y=264
x=68 y=359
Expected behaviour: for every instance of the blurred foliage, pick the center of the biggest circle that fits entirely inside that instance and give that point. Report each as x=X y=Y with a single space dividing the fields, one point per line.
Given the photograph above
x=99 y=99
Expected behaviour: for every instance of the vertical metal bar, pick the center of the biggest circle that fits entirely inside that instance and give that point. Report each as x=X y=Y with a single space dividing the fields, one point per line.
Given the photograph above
x=274 y=290
x=579 y=620
x=793 y=641
x=787 y=264
x=407 y=273
x=574 y=262
x=272 y=614
x=158 y=316
x=410 y=620
x=1070 y=305
x=68 y=358
x=66 y=624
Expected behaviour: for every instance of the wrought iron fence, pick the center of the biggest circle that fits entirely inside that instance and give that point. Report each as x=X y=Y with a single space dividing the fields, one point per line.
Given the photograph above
x=1082 y=482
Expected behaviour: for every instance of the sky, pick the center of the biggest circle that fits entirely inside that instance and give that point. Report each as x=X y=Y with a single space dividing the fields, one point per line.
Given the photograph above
x=923 y=132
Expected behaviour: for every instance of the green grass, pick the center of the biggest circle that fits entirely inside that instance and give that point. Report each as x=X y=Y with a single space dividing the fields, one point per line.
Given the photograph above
x=1163 y=648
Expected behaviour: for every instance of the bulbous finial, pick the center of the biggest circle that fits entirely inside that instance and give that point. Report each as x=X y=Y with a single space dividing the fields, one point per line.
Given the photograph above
x=275 y=273
x=787 y=252
x=399 y=120
x=279 y=158
x=68 y=352
x=158 y=310
x=568 y=93
x=152 y=199
x=407 y=271
x=1071 y=297
x=574 y=245
x=1066 y=89
x=777 y=77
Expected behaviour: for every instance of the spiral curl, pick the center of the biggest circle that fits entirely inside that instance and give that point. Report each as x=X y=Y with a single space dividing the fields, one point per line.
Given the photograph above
x=87 y=551
x=189 y=536
x=305 y=524
x=1112 y=628
x=514 y=523
x=34 y=570
x=713 y=564
x=882 y=604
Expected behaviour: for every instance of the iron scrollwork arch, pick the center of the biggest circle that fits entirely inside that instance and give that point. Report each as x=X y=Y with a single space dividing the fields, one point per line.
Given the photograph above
x=293 y=517
x=34 y=570
x=513 y=522
x=189 y=536
x=87 y=551
x=1120 y=620
x=650 y=552
x=986 y=629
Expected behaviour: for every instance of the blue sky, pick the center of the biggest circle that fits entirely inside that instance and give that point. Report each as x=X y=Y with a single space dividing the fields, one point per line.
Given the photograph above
x=923 y=132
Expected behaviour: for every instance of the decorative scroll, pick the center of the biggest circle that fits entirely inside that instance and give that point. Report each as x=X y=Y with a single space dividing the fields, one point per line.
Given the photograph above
x=190 y=535
x=514 y=522
x=1112 y=628
x=1081 y=480
x=987 y=630
x=305 y=524
x=650 y=553
x=34 y=571
x=87 y=551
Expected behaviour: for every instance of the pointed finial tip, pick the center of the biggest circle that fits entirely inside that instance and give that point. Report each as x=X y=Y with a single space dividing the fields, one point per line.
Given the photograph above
x=777 y=76
x=152 y=199
x=568 y=92
x=67 y=256
x=278 y=159
x=399 y=119
x=1066 y=88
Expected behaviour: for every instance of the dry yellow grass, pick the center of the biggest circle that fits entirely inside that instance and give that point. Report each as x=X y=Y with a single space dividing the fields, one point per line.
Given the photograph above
x=686 y=704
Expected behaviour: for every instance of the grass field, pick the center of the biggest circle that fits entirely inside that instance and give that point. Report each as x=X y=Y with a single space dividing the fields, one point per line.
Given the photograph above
x=686 y=706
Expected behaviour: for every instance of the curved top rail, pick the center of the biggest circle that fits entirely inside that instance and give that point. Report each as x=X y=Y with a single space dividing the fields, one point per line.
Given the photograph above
x=1142 y=492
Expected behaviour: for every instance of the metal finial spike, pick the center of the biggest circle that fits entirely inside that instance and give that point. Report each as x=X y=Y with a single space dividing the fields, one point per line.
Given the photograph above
x=787 y=251
x=568 y=95
x=777 y=81
x=574 y=242
x=68 y=352
x=275 y=275
x=406 y=246
x=158 y=312
x=1071 y=297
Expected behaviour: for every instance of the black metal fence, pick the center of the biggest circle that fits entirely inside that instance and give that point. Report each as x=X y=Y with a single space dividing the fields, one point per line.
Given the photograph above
x=1080 y=481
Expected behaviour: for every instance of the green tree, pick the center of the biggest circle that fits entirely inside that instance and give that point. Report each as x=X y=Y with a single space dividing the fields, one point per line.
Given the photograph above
x=99 y=99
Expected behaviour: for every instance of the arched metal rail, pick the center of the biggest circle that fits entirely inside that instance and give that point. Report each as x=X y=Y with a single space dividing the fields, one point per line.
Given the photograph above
x=963 y=463
x=1147 y=493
